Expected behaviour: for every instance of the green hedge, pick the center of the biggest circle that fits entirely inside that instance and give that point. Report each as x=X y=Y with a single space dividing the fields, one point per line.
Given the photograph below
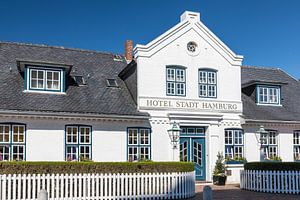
x=92 y=167
x=274 y=166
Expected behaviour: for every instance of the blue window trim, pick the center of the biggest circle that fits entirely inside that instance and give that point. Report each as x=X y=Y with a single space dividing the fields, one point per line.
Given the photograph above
x=207 y=84
x=27 y=82
x=234 y=145
x=138 y=145
x=175 y=67
x=268 y=86
x=78 y=144
x=11 y=143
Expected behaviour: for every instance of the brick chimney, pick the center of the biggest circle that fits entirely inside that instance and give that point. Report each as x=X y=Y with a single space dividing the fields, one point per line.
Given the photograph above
x=128 y=50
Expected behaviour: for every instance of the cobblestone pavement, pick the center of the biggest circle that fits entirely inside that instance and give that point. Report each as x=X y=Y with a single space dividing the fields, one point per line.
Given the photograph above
x=233 y=192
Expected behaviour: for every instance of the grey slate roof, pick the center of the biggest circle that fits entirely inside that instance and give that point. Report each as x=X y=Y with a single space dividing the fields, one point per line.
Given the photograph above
x=290 y=94
x=94 y=98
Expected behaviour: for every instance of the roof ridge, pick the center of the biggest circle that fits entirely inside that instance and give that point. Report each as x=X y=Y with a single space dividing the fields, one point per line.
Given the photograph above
x=59 y=47
x=261 y=67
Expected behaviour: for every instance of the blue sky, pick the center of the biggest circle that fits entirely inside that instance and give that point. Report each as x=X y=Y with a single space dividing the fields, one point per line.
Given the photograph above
x=266 y=32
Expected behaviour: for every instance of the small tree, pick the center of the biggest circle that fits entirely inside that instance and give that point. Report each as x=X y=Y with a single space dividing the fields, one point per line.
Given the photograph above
x=220 y=167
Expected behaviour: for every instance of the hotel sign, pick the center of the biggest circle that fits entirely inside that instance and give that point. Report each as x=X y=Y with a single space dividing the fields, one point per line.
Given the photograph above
x=194 y=105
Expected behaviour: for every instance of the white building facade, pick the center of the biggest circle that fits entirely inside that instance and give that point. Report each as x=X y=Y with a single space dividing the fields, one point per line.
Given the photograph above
x=61 y=104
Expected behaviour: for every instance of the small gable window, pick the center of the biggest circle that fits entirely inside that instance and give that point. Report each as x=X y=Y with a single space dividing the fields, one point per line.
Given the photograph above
x=175 y=81
x=207 y=83
x=44 y=79
x=268 y=95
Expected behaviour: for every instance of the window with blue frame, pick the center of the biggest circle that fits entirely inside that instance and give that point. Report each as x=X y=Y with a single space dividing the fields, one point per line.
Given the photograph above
x=44 y=79
x=78 y=143
x=234 y=143
x=12 y=142
x=268 y=95
x=296 y=142
x=270 y=144
x=138 y=144
x=192 y=130
x=176 y=83
x=207 y=83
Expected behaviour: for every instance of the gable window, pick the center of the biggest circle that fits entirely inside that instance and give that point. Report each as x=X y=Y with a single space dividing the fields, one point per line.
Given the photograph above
x=78 y=143
x=207 y=83
x=268 y=94
x=175 y=81
x=270 y=144
x=296 y=145
x=234 y=143
x=12 y=142
x=138 y=144
x=44 y=79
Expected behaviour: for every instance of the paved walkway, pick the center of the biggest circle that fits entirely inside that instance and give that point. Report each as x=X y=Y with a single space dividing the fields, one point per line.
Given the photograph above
x=233 y=192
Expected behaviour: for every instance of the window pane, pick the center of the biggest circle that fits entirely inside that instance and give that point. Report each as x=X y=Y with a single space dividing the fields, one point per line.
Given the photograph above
x=202 y=77
x=132 y=136
x=132 y=153
x=72 y=135
x=4 y=133
x=84 y=135
x=228 y=152
x=4 y=152
x=211 y=91
x=85 y=152
x=170 y=74
x=71 y=153
x=18 y=133
x=228 y=136
x=18 y=152
x=144 y=136
x=202 y=90
x=170 y=88
x=180 y=76
x=180 y=88
x=211 y=77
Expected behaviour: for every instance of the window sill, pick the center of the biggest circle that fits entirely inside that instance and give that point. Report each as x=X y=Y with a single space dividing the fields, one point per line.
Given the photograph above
x=268 y=104
x=44 y=92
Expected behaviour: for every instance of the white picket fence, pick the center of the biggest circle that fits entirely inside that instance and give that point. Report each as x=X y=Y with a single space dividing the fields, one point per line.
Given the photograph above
x=98 y=186
x=271 y=181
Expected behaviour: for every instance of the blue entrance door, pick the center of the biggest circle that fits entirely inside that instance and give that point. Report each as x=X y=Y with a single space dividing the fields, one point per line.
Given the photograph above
x=193 y=150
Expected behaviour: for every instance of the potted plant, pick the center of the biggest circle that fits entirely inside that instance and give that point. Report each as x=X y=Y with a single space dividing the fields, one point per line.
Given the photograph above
x=274 y=159
x=219 y=177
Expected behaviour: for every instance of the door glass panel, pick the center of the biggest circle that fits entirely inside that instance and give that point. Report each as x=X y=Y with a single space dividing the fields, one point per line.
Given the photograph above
x=184 y=152
x=197 y=153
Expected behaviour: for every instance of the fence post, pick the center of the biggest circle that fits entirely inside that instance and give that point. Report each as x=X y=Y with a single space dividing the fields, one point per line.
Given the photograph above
x=207 y=193
x=43 y=195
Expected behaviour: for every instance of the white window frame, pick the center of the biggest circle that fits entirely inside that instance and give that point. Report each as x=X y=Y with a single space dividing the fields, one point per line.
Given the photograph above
x=269 y=146
x=207 y=81
x=12 y=143
x=134 y=149
x=233 y=148
x=78 y=144
x=265 y=95
x=45 y=79
x=296 y=145
x=175 y=81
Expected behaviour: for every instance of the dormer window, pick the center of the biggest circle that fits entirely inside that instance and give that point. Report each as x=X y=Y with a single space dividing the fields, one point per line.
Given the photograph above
x=269 y=95
x=44 y=79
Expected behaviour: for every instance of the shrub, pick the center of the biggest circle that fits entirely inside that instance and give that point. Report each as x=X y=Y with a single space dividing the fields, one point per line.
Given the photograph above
x=274 y=166
x=93 y=167
x=220 y=167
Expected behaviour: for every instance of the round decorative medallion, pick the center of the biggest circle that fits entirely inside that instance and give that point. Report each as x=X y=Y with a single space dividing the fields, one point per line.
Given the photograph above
x=192 y=47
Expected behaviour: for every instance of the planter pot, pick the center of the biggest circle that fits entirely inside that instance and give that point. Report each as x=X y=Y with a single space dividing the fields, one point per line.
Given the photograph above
x=219 y=180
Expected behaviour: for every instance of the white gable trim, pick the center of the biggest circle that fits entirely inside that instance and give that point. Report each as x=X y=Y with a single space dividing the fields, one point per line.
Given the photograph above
x=177 y=31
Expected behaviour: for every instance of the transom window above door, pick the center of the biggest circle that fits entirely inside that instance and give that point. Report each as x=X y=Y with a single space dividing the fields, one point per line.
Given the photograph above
x=176 y=83
x=207 y=83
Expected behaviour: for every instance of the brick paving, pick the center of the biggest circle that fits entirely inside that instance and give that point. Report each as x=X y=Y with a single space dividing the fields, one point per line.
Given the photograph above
x=233 y=192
